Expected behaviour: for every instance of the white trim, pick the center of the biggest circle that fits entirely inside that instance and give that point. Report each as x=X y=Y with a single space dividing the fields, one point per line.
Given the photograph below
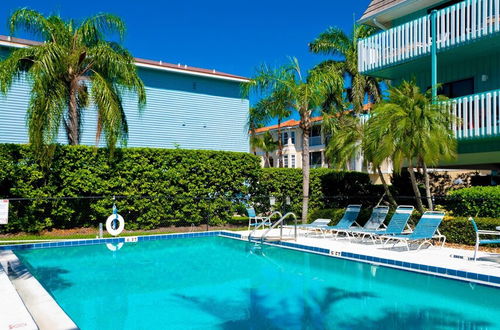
x=151 y=66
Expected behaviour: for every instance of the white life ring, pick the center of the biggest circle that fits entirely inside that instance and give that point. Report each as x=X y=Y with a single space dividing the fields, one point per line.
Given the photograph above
x=109 y=222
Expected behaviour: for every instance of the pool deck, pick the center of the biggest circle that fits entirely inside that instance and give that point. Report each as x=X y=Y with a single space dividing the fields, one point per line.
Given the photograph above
x=436 y=260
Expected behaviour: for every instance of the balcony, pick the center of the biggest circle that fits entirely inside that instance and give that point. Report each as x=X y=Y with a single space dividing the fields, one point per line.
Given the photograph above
x=477 y=115
x=315 y=141
x=456 y=25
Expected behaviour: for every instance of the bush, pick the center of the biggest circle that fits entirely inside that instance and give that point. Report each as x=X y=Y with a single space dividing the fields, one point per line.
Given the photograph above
x=159 y=187
x=460 y=231
x=328 y=188
x=475 y=202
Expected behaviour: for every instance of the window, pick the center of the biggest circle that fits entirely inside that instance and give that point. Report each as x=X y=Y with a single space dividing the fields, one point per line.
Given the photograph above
x=285 y=161
x=315 y=159
x=292 y=161
x=457 y=88
x=284 y=138
x=292 y=137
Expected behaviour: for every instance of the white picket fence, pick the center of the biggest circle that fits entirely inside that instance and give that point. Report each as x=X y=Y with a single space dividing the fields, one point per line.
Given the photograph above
x=476 y=115
x=460 y=23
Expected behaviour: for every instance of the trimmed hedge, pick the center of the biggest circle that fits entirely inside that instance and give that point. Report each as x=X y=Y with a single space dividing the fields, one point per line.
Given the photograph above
x=475 y=202
x=162 y=187
x=328 y=188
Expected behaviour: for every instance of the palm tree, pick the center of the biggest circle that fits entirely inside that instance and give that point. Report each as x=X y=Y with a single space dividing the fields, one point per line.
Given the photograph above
x=267 y=144
x=413 y=129
x=73 y=67
x=353 y=137
x=275 y=106
x=305 y=94
x=257 y=118
x=344 y=48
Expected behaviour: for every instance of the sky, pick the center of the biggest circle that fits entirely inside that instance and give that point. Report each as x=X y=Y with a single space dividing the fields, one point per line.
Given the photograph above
x=233 y=36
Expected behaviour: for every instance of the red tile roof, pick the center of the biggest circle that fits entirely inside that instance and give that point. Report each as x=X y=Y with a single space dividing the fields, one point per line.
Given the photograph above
x=295 y=123
x=18 y=42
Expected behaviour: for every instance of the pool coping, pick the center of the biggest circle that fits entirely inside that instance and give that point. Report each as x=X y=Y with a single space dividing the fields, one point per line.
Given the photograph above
x=37 y=299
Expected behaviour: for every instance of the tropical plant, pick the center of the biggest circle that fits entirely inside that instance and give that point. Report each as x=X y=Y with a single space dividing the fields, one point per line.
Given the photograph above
x=344 y=48
x=354 y=136
x=267 y=144
x=305 y=94
x=74 y=66
x=257 y=118
x=275 y=106
x=410 y=127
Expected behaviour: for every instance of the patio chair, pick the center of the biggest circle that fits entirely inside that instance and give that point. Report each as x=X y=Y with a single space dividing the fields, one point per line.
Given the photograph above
x=316 y=225
x=425 y=231
x=348 y=219
x=396 y=226
x=480 y=241
x=377 y=218
x=254 y=220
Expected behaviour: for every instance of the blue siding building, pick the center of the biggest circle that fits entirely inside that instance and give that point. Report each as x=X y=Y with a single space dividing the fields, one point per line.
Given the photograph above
x=186 y=107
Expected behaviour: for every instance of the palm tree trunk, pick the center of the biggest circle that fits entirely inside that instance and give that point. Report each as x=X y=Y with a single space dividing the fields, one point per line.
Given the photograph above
x=267 y=164
x=72 y=123
x=414 y=185
x=386 y=187
x=280 y=146
x=305 y=170
x=427 y=187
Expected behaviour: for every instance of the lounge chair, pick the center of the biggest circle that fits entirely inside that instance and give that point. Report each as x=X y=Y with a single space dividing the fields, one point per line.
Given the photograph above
x=254 y=220
x=377 y=218
x=425 y=231
x=480 y=241
x=396 y=226
x=316 y=225
x=348 y=219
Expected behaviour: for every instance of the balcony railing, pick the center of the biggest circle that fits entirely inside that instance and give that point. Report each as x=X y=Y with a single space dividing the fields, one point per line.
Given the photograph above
x=457 y=24
x=315 y=141
x=477 y=115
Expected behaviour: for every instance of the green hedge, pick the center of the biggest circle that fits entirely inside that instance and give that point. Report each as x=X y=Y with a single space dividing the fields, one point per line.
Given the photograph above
x=327 y=186
x=460 y=230
x=172 y=181
x=475 y=202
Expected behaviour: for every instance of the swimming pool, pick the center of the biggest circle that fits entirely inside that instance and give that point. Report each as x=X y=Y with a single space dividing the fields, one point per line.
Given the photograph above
x=219 y=283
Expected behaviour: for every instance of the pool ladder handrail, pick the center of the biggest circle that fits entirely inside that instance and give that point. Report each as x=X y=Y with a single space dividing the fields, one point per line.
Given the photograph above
x=268 y=219
x=280 y=222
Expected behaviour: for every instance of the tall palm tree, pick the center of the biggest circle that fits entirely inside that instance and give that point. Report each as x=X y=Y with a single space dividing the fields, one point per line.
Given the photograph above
x=353 y=137
x=344 y=48
x=413 y=129
x=305 y=93
x=73 y=67
x=257 y=118
x=267 y=144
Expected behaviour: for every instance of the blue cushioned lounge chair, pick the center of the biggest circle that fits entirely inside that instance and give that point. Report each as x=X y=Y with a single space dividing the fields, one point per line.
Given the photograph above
x=377 y=218
x=396 y=226
x=316 y=226
x=425 y=231
x=348 y=219
x=480 y=241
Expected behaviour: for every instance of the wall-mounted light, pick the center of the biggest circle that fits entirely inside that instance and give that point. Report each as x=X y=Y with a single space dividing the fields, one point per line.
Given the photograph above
x=272 y=200
x=484 y=77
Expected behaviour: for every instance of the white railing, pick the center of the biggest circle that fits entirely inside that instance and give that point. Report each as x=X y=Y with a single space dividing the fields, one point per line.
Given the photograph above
x=460 y=23
x=477 y=115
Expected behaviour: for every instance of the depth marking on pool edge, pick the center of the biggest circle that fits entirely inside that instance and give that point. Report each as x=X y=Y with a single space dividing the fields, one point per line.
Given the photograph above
x=131 y=239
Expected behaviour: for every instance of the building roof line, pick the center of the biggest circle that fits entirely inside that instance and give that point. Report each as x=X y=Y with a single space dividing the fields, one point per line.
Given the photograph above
x=8 y=41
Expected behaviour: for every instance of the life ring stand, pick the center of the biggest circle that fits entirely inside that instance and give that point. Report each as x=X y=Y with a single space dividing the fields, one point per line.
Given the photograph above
x=109 y=224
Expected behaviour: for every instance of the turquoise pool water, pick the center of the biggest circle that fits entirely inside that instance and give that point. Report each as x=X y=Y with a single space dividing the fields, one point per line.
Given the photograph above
x=218 y=283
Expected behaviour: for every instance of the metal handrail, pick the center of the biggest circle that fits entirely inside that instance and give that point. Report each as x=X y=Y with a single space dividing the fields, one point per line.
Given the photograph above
x=280 y=221
x=263 y=223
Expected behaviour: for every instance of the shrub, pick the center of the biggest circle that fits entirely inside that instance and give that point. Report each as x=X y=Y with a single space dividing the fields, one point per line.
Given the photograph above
x=328 y=188
x=460 y=231
x=159 y=187
x=475 y=202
